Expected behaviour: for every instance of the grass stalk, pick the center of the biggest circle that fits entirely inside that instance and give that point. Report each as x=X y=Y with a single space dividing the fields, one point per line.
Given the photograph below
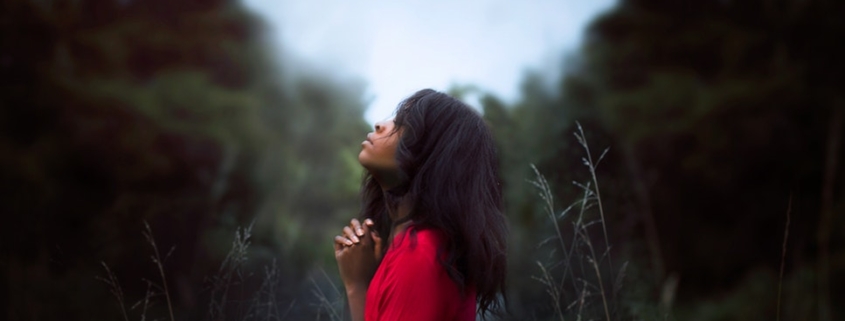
x=545 y=193
x=159 y=262
x=601 y=288
x=591 y=259
x=548 y=280
x=229 y=269
x=146 y=301
x=115 y=289
x=783 y=256
x=588 y=161
x=581 y=245
x=324 y=302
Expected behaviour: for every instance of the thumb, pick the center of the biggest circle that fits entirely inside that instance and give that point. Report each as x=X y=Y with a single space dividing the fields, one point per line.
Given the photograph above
x=378 y=245
x=376 y=237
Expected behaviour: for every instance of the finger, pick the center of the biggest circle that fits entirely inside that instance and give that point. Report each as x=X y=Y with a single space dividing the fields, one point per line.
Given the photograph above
x=368 y=229
x=356 y=226
x=365 y=235
x=376 y=240
x=376 y=237
x=378 y=245
x=350 y=234
x=340 y=242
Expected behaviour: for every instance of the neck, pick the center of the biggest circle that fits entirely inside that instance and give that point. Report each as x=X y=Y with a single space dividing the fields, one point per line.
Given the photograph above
x=401 y=212
x=399 y=215
x=387 y=179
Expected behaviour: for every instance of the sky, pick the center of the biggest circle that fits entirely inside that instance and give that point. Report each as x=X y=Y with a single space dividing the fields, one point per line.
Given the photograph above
x=398 y=47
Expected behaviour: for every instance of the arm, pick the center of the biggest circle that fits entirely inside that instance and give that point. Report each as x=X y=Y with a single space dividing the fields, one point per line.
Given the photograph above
x=355 y=252
x=357 y=300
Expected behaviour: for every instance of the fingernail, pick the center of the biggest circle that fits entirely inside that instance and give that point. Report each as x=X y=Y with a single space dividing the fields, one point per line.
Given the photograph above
x=368 y=222
x=360 y=232
x=355 y=239
x=348 y=242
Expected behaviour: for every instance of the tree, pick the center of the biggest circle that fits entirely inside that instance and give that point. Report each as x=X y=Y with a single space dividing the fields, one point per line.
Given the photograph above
x=171 y=112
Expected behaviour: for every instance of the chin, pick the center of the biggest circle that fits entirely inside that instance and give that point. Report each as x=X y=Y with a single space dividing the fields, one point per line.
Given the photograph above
x=362 y=159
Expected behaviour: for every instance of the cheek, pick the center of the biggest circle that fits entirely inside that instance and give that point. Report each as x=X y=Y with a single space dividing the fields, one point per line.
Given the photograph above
x=390 y=147
x=386 y=154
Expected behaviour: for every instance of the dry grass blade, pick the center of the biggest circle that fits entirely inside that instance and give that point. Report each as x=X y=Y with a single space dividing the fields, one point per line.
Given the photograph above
x=592 y=165
x=146 y=300
x=324 y=302
x=783 y=255
x=148 y=233
x=546 y=194
x=619 y=277
x=229 y=272
x=115 y=289
x=551 y=288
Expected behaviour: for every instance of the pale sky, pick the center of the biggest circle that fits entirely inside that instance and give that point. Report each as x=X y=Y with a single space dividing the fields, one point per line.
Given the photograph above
x=398 y=47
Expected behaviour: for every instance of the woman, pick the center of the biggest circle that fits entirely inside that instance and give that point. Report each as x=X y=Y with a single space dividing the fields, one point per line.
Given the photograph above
x=433 y=242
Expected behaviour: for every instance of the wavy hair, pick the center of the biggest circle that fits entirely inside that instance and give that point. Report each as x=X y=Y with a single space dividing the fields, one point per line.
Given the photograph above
x=448 y=157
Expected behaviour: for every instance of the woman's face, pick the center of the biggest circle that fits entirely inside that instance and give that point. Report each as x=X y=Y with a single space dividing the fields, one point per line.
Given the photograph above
x=378 y=151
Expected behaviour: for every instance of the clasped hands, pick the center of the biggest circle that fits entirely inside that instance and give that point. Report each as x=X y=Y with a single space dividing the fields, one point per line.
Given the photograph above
x=358 y=251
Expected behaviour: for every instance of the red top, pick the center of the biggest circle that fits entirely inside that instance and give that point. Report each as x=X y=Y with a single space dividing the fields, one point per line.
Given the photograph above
x=410 y=284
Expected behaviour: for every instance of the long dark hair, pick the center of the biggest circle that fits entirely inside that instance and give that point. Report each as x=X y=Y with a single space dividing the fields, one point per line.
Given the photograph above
x=448 y=158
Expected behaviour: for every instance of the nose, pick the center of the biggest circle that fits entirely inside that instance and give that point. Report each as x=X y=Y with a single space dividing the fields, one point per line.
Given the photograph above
x=379 y=127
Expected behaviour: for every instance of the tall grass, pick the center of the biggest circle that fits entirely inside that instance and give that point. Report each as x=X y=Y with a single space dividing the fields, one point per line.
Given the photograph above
x=334 y=308
x=153 y=289
x=582 y=282
x=114 y=289
x=264 y=305
x=159 y=263
x=581 y=262
x=229 y=273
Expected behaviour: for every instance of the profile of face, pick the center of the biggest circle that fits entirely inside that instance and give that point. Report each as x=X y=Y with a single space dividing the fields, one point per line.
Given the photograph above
x=378 y=151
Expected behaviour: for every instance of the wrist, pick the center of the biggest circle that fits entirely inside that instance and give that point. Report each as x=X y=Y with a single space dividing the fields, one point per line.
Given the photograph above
x=357 y=289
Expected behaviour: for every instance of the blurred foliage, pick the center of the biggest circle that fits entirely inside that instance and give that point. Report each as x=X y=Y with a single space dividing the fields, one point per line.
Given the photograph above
x=180 y=113
x=173 y=112
x=716 y=114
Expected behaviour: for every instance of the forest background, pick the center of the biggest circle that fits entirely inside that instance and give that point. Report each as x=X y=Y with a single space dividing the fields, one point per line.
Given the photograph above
x=720 y=197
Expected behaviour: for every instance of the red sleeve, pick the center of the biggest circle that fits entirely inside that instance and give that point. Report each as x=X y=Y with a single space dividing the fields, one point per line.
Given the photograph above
x=416 y=287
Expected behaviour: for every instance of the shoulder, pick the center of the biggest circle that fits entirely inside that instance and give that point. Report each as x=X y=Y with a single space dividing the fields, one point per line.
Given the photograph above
x=418 y=241
x=416 y=251
x=426 y=236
